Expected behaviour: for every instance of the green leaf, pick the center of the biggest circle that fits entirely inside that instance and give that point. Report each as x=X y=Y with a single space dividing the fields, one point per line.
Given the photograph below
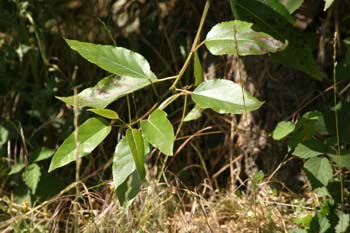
x=320 y=169
x=159 y=132
x=123 y=162
x=129 y=189
x=327 y=4
x=220 y=40
x=224 y=96
x=116 y=60
x=282 y=130
x=343 y=223
x=4 y=135
x=197 y=69
x=303 y=220
x=298 y=54
x=309 y=149
x=41 y=154
x=326 y=207
x=106 y=113
x=322 y=192
x=298 y=231
x=323 y=224
x=90 y=134
x=106 y=91
x=18 y=167
x=135 y=141
x=342 y=160
x=194 y=114
x=125 y=177
x=291 y=5
x=314 y=122
x=31 y=176
x=279 y=8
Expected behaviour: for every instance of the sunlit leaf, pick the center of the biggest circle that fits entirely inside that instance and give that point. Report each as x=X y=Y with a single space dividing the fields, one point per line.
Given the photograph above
x=327 y=4
x=194 y=114
x=16 y=168
x=31 y=176
x=224 y=96
x=282 y=130
x=90 y=134
x=309 y=149
x=320 y=169
x=106 y=113
x=343 y=222
x=117 y=60
x=136 y=145
x=221 y=39
x=303 y=220
x=298 y=230
x=299 y=53
x=159 y=132
x=106 y=91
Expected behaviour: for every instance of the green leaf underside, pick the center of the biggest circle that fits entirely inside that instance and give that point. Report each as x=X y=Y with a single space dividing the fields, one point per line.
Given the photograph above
x=90 y=134
x=106 y=113
x=309 y=149
x=320 y=168
x=106 y=91
x=159 y=132
x=117 y=60
x=221 y=40
x=298 y=54
x=197 y=69
x=291 y=5
x=224 y=96
x=136 y=144
x=194 y=114
x=282 y=130
x=123 y=163
x=31 y=176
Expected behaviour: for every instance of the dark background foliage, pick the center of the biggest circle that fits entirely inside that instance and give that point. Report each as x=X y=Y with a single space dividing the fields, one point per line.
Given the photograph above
x=36 y=65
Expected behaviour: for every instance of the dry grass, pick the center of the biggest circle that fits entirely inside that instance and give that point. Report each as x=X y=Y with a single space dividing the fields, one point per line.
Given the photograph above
x=159 y=207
